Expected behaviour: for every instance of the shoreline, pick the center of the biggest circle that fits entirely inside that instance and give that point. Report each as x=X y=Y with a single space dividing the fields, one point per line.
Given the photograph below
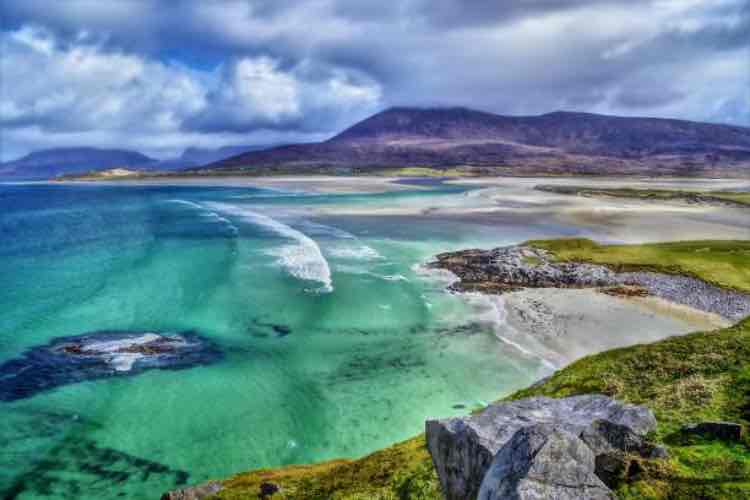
x=384 y=469
x=517 y=267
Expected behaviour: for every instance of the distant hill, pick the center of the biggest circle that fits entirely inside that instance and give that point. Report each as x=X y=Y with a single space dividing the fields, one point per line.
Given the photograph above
x=558 y=142
x=51 y=163
x=195 y=157
x=203 y=156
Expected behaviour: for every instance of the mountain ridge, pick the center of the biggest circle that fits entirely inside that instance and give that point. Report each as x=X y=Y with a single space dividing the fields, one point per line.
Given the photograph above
x=555 y=142
x=55 y=162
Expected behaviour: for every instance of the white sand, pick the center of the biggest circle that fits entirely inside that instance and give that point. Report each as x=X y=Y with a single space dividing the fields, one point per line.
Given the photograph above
x=561 y=326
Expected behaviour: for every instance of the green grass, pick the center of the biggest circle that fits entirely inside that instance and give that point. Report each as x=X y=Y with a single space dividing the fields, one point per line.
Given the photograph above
x=402 y=471
x=705 y=196
x=426 y=172
x=722 y=262
x=701 y=376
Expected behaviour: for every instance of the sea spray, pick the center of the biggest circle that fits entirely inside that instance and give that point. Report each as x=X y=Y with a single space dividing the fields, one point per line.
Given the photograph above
x=303 y=259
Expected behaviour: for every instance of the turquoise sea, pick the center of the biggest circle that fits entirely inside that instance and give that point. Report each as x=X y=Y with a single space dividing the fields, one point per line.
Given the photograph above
x=335 y=342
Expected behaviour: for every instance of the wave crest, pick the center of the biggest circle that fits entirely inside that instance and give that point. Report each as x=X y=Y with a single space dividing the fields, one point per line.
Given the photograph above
x=303 y=259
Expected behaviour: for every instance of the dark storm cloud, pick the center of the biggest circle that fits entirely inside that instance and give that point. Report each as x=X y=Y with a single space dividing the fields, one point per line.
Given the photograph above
x=214 y=70
x=647 y=97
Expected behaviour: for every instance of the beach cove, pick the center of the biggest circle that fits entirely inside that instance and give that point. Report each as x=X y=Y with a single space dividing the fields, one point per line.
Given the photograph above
x=336 y=339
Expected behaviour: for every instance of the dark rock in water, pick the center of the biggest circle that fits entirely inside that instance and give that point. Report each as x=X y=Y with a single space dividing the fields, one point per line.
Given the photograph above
x=69 y=360
x=726 y=431
x=194 y=492
x=463 y=448
x=282 y=330
x=543 y=461
x=279 y=329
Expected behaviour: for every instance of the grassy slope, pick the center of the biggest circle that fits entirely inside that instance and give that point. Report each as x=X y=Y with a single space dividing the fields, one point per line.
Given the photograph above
x=741 y=198
x=723 y=262
x=683 y=379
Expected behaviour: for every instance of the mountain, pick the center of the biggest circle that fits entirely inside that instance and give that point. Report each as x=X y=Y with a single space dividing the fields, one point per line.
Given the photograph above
x=51 y=163
x=195 y=157
x=558 y=142
x=203 y=156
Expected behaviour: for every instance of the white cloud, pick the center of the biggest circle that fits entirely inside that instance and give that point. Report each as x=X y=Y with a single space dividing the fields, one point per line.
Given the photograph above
x=255 y=92
x=84 y=87
x=259 y=88
x=306 y=68
x=84 y=91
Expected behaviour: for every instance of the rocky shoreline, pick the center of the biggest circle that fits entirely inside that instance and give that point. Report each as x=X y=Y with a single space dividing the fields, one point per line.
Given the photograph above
x=516 y=267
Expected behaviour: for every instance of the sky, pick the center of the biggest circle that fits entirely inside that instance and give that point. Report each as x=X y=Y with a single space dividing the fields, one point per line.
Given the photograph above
x=159 y=76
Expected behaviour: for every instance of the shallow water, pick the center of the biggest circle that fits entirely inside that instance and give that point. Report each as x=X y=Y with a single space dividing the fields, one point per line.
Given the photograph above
x=335 y=342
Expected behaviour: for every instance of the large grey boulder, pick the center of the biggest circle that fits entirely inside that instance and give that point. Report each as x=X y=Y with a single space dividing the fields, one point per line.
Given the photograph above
x=543 y=462
x=463 y=448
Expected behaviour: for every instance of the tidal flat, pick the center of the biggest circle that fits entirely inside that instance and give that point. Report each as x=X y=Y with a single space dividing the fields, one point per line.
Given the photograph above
x=335 y=339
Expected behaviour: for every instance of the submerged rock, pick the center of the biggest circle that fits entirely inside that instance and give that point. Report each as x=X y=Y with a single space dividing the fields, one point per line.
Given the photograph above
x=69 y=360
x=463 y=448
x=540 y=462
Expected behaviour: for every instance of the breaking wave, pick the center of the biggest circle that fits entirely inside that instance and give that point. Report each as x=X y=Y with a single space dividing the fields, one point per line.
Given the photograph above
x=303 y=259
x=208 y=214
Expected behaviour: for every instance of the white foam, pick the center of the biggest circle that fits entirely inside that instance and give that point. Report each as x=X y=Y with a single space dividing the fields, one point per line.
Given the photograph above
x=442 y=278
x=494 y=312
x=187 y=203
x=115 y=345
x=122 y=361
x=303 y=259
x=354 y=252
x=392 y=277
x=207 y=214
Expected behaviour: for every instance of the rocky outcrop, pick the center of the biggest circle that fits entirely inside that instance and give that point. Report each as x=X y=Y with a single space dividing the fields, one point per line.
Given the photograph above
x=726 y=431
x=194 y=492
x=540 y=462
x=520 y=266
x=514 y=267
x=69 y=360
x=464 y=449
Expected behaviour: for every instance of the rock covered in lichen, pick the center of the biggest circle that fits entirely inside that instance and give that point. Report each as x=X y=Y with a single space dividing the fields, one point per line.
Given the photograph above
x=543 y=461
x=464 y=448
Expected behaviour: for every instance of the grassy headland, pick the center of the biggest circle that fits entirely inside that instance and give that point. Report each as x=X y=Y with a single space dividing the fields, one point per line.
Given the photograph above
x=696 y=377
x=724 y=263
x=734 y=198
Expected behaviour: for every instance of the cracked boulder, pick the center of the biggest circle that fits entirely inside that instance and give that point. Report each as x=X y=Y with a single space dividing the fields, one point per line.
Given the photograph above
x=543 y=461
x=464 y=448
